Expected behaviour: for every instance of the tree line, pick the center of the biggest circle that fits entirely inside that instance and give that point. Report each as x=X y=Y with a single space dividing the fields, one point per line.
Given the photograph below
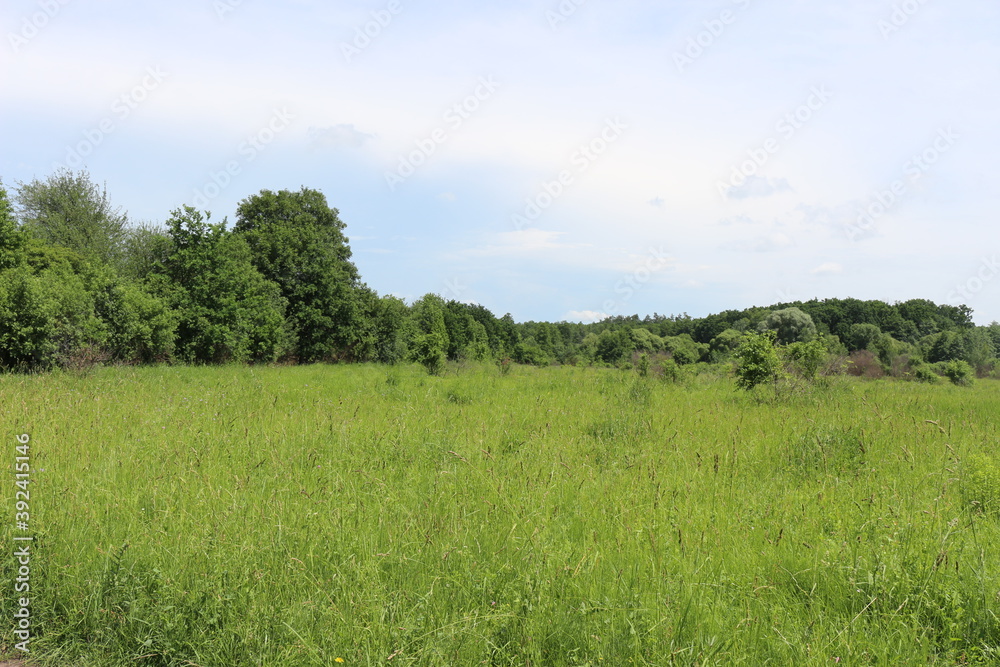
x=81 y=284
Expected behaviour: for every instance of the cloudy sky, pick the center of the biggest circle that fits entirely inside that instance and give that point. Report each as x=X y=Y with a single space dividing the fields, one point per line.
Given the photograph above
x=555 y=160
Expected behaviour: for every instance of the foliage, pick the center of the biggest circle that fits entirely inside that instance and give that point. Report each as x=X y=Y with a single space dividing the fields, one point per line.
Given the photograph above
x=670 y=371
x=297 y=242
x=145 y=249
x=723 y=345
x=864 y=363
x=71 y=211
x=141 y=328
x=757 y=361
x=959 y=372
x=12 y=239
x=790 y=325
x=863 y=336
x=925 y=373
x=807 y=358
x=227 y=310
x=46 y=318
x=683 y=349
x=429 y=350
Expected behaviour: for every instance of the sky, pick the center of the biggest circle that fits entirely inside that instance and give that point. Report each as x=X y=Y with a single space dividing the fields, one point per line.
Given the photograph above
x=555 y=160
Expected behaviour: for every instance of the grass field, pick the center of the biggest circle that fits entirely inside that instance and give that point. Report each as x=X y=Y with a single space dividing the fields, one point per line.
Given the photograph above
x=561 y=516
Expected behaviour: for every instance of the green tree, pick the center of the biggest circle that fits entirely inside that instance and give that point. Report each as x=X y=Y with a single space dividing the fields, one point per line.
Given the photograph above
x=145 y=249
x=863 y=336
x=757 y=360
x=297 y=241
x=725 y=343
x=387 y=318
x=790 y=325
x=227 y=310
x=71 y=211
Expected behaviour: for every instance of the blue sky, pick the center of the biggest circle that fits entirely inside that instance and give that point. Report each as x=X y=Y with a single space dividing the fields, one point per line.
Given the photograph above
x=555 y=160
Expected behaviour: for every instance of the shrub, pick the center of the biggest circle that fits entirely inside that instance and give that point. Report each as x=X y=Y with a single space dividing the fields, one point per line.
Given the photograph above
x=807 y=358
x=959 y=372
x=428 y=349
x=642 y=365
x=757 y=360
x=924 y=373
x=864 y=363
x=670 y=371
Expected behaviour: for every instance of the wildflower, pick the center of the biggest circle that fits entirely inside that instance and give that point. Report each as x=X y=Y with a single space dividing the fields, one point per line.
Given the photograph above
x=338 y=660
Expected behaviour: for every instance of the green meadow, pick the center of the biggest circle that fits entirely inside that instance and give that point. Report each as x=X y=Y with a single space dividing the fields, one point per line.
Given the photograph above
x=375 y=515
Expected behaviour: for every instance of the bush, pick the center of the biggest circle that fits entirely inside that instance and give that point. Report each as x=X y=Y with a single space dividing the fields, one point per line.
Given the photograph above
x=959 y=372
x=670 y=371
x=141 y=329
x=924 y=373
x=864 y=363
x=807 y=358
x=46 y=320
x=757 y=360
x=428 y=349
x=642 y=365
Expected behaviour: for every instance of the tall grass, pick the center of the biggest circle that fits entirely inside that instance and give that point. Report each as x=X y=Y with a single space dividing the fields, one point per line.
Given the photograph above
x=292 y=516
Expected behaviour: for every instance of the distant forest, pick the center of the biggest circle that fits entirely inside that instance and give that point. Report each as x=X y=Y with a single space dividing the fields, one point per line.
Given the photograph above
x=80 y=284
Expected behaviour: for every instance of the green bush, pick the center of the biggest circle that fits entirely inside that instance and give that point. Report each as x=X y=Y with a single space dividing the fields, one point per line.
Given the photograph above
x=141 y=328
x=924 y=373
x=428 y=349
x=670 y=371
x=642 y=365
x=757 y=360
x=807 y=357
x=959 y=372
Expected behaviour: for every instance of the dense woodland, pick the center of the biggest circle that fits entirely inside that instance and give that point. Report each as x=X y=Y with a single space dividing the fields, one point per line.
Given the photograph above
x=81 y=284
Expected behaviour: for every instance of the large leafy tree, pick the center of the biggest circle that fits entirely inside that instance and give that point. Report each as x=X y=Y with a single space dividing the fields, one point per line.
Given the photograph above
x=790 y=325
x=69 y=210
x=227 y=310
x=297 y=241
